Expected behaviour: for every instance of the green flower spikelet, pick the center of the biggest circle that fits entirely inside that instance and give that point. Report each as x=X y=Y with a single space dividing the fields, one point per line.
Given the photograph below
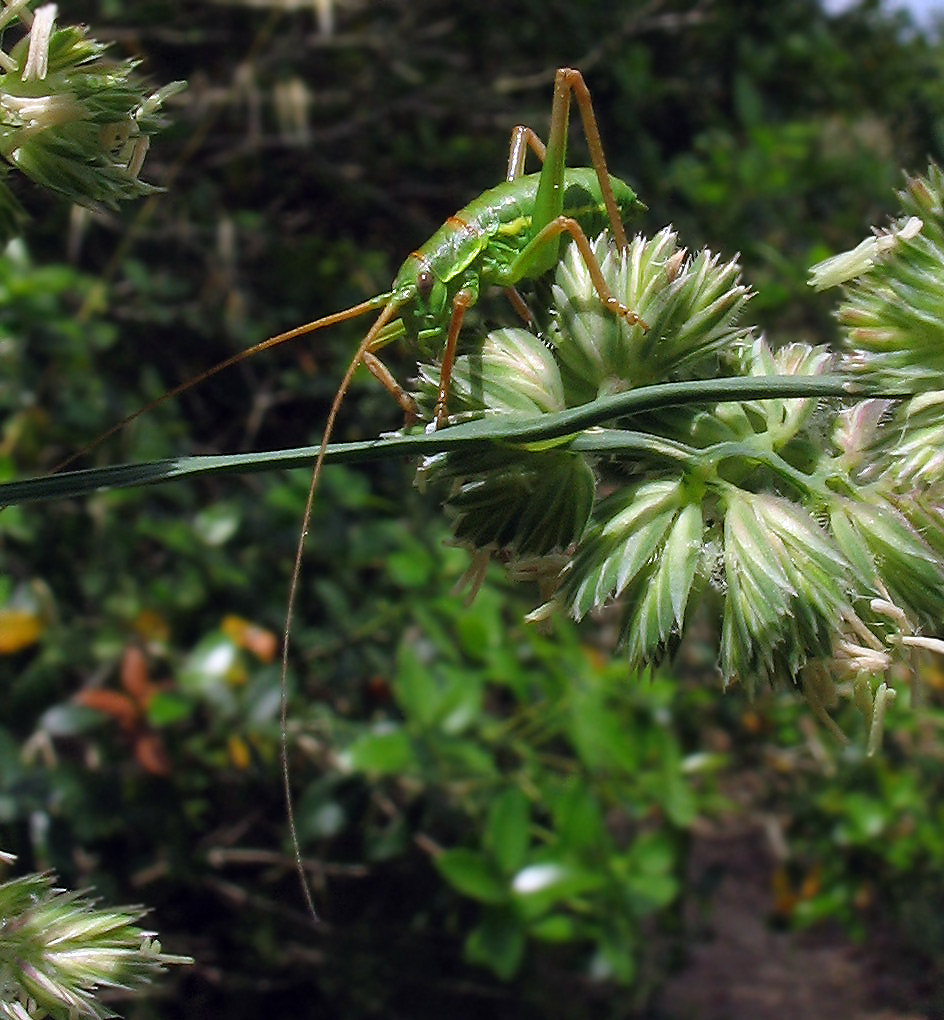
x=58 y=949
x=71 y=119
x=812 y=530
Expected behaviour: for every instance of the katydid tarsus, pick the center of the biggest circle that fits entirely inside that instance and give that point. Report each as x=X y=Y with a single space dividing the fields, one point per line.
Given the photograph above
x=509 y=234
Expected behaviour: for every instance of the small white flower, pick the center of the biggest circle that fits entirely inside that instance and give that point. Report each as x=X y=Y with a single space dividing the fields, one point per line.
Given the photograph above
x=849 y=264
x=884 y=697
x=40 y=113
x=37 y=59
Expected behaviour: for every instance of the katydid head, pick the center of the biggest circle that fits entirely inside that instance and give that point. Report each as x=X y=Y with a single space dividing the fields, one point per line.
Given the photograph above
x=424 y=303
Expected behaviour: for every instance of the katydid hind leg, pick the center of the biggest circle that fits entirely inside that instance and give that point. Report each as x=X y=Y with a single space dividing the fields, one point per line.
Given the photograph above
x=591 y=132
x=523 y=266
x=548 y=203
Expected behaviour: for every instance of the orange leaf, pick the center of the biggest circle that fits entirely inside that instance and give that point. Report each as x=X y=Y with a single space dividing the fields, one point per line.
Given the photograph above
x=812 y=883
x=118 y=706
x=751 y=721
x=261 y=642
x=134 y=676
x=785 y=899
x=379 y=687
x=150 y=754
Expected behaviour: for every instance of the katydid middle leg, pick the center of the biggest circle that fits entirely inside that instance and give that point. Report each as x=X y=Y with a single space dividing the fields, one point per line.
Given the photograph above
x=522 y=139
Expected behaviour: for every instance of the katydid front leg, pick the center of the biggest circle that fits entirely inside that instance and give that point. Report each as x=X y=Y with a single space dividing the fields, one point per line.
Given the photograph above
x=460 y=304
x=388 y=380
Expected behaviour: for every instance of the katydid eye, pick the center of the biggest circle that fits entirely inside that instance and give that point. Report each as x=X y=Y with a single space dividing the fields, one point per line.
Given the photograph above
x=424 y=283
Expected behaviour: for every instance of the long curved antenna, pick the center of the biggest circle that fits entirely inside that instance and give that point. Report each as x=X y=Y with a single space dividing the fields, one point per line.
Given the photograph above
x=385 y=316
x=310 y=327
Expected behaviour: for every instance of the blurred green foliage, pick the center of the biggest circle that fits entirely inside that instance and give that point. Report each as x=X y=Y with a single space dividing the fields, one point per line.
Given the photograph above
x=875 y=836
x=494 y=818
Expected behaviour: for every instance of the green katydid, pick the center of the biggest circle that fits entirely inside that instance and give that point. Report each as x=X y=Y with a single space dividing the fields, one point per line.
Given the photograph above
x=510 y=233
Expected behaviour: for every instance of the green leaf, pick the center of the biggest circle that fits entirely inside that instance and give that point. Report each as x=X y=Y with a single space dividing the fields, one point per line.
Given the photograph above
x=67 y=720
x=217 y=524
x=416 y=689
x=653 y=853
x=166 y=708
x=411 y=567
x=473 y=874
x=506 y=833
x=497 y=943
x=384 y=751
x=391 y=841
x=678 y=800
x=866 y=818
x=615 y=959
x=211 y=670
x=554 y=928
x=480 y=627
x=436 y=695
x=578 y=819
x=599 y=735
x=318 y=815
x=651 y=892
